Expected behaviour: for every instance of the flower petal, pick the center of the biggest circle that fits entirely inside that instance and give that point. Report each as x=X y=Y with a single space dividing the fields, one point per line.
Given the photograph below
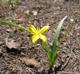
x=43 y=38
x=42 y=30
x=31 y=29
x=35 y=38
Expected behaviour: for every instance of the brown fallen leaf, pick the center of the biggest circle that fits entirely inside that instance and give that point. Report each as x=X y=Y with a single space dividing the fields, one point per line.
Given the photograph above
x=10 y=43
x=30 y=62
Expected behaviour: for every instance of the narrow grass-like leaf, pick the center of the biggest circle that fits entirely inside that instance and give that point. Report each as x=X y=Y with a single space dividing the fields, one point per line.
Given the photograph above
x=54 y=47
x=11 y=25
x=57 y=34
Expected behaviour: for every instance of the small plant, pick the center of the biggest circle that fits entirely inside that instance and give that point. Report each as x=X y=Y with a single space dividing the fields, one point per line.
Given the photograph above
x=52 y=50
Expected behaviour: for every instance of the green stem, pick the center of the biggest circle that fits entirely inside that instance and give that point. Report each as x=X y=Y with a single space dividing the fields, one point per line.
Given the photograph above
x=49 y=52
x=11 y=25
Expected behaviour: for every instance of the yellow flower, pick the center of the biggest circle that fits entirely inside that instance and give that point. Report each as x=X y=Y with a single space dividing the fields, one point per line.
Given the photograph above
x=37 y=33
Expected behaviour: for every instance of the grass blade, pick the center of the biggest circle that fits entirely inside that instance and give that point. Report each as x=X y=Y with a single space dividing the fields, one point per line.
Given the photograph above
x=57 y=34
x=11 y=25
x=54 y=47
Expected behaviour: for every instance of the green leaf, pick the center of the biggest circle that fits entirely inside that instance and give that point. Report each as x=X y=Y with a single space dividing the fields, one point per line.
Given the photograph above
x=11 y=25
x=54 y=47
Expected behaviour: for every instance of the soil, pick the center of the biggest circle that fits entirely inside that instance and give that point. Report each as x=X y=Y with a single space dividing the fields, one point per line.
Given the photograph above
x=18 y=55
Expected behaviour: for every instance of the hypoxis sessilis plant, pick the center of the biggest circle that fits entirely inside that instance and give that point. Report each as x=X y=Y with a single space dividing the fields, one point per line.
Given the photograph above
x=37 y=34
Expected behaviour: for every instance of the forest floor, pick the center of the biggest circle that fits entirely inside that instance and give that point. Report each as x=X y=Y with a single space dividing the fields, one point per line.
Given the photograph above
x=18 y=55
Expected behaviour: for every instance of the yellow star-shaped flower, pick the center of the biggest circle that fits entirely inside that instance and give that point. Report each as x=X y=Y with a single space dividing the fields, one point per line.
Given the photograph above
x=37 y=33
